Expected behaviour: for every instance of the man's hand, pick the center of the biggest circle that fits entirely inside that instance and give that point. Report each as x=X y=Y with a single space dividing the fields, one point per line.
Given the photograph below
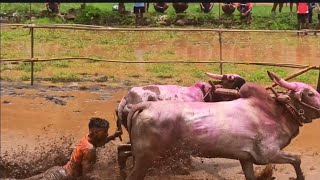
x=118 y=133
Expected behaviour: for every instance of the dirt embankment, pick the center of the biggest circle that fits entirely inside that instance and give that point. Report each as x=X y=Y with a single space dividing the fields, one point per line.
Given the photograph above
x=40 y=125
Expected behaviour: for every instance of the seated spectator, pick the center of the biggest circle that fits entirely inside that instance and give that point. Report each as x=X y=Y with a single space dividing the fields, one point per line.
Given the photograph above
x=206 y=7
x=302 y=15
x=180 y=7
x=245 y=11
x=53 y=7
x=160 y=7
x=228 y=8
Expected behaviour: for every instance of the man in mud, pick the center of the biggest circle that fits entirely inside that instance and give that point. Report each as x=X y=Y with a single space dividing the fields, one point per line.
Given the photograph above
x=83 y=156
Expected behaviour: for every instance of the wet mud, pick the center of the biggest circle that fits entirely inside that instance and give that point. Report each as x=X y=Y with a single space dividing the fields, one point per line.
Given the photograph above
x=38 y=132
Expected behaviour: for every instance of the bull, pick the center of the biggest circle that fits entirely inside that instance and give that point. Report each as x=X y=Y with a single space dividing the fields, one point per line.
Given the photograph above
x=195 y=93
x=252 y=129
x=198 y=92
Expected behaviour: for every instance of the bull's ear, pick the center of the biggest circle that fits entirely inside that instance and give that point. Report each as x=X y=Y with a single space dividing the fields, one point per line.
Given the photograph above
x=274 y=77
x=298 y=95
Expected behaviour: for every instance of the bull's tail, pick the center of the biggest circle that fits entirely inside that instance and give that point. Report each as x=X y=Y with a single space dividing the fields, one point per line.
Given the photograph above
x=120 y=109
x=133 y=112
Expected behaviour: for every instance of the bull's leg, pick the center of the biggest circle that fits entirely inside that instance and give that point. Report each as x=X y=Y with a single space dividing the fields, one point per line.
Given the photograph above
x=287 y=158
x=142 y=163
x=247 y=168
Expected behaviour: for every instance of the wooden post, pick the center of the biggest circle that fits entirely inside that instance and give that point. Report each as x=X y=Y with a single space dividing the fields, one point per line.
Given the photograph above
x=32 y=54
x=318 y=87
x=220 y=44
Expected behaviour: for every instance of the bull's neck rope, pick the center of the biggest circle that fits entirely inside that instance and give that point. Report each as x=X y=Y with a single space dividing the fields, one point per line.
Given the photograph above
x=298 y=115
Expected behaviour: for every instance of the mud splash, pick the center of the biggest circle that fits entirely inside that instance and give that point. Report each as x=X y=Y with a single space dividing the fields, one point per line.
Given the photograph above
x=50 y=151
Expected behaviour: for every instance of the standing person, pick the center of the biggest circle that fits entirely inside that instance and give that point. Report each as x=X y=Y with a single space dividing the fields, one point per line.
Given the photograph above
x=310 y=8
x=302 y=15
x=274 y=8
x=139 y=9
x=84 y=156
x=317 y=9
x=206 y=7
x=147 y=7
x=160 y=7
x=245 y=11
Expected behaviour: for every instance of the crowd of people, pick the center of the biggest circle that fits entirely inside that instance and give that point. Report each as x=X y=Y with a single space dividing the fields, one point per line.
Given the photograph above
x=304 y=10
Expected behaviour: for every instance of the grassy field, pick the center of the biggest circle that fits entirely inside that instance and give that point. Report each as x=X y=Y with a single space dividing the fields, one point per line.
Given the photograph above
x=151 y=46
x=101 y=14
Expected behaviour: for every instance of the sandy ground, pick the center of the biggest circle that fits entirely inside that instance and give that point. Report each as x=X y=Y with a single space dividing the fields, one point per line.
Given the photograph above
x=35 y=120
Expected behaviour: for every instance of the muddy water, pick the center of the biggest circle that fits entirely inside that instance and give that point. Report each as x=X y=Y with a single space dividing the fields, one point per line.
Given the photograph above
x=28 y=113
x=240 y=47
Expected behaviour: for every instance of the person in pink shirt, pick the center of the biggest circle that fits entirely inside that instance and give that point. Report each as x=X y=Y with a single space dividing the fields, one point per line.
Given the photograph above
x=302 y=15
x=245 y=11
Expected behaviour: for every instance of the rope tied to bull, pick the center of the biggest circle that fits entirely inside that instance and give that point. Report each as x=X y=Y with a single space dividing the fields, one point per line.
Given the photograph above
x=297 y=115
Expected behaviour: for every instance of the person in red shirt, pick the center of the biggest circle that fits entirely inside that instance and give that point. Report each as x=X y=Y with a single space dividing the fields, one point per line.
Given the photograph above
x=83 y=156
x=302 y=15
x=245 y=11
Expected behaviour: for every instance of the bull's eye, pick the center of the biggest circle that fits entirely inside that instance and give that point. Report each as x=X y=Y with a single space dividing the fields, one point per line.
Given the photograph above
x=310 y=93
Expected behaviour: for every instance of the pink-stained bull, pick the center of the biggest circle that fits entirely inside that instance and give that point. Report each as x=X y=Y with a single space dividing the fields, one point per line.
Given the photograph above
x=195 y=93
x=252 y=129
x=199 y=92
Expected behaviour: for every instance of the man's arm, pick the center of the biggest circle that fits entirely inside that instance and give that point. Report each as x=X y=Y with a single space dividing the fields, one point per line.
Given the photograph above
x=113 y=137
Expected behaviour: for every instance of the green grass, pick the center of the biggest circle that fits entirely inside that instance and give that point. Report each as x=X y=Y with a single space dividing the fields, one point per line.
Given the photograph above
x=26 y=67
x=162 y=70
x=65 y=77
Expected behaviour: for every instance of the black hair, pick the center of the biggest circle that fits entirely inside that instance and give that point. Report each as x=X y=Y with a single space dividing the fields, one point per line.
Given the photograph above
x=96 y=122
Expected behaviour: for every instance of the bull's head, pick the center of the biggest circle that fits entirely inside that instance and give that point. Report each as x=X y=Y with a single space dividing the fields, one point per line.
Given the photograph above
x=304 y=98
x=229 y=81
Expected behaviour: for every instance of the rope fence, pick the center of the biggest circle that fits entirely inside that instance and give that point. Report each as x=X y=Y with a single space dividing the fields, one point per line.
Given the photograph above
x=33 y=60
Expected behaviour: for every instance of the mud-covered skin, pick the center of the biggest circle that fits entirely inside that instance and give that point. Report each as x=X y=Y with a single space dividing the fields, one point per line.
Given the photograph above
x=252 y=129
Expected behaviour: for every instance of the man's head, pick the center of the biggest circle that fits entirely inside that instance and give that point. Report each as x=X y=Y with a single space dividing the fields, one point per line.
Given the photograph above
x=98 y=131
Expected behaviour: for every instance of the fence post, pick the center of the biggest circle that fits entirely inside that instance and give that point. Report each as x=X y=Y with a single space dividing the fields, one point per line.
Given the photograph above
x=32 y=55
x=318 y=87
x=220 y=44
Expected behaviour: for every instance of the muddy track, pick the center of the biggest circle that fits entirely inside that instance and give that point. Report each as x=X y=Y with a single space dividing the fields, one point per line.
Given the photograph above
x=41 y=124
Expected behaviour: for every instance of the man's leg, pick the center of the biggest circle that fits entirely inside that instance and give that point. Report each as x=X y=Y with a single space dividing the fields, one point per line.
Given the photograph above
x=274 y=7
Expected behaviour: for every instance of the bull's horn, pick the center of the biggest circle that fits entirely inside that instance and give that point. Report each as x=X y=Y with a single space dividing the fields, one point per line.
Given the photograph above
x=215 y=76
x=281 y=82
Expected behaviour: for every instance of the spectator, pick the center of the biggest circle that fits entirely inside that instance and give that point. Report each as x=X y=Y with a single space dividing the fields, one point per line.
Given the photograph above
x=206 y=7
x=53 y=7
x=180 y=7
x=228 y=8
x=147 y=7
x=317 y=9
x=302 y=15
x=274 y=8
x=160 y=7
x=139 y=9
x=310 y=9
x=245 y=11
